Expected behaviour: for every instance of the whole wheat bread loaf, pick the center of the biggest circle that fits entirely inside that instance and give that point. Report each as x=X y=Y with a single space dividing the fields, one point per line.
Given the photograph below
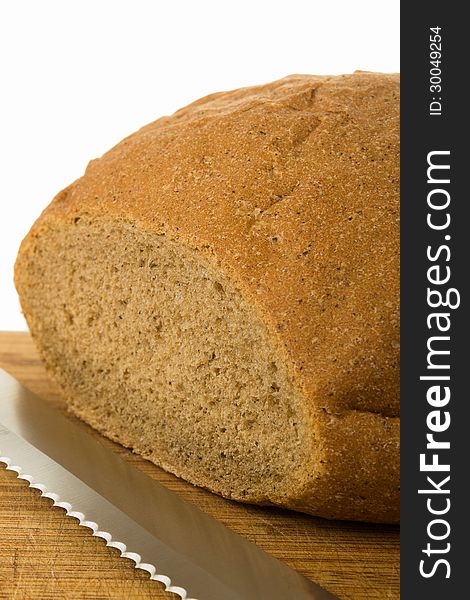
x=220 y=293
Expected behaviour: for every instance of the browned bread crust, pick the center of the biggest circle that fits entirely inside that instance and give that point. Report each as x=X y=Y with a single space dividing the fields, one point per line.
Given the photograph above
x=291 y=190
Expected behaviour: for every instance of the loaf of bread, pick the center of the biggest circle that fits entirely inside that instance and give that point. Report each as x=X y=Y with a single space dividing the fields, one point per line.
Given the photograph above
x=220 y=293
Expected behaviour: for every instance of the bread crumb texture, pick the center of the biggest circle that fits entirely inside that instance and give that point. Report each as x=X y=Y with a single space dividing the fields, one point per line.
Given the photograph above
x=220 y=292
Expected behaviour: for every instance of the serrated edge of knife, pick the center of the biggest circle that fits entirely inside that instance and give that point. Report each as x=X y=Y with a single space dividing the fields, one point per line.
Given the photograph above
x=105 y=535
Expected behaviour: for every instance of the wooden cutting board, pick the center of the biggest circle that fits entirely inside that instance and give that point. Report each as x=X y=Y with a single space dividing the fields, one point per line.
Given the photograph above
x=46 y=555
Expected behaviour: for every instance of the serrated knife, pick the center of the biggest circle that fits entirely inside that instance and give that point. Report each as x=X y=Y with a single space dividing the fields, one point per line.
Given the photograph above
x=194 y=555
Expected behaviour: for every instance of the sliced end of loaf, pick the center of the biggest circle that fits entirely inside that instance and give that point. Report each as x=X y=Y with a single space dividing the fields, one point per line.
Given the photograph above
x=153 y=345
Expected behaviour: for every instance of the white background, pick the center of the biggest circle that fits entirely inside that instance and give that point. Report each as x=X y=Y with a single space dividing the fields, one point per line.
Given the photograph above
x=76 y=76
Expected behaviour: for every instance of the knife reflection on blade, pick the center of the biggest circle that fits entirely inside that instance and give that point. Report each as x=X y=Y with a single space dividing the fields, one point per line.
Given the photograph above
x=194 y=555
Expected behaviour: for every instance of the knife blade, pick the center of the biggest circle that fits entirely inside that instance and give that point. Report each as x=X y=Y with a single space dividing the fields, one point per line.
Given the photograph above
x=194 y=555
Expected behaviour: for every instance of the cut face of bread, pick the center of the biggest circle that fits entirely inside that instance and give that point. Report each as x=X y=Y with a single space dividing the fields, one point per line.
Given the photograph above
x=154 y=346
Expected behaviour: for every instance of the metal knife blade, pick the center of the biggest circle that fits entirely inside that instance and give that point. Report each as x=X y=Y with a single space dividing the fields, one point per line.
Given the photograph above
x=194 y=555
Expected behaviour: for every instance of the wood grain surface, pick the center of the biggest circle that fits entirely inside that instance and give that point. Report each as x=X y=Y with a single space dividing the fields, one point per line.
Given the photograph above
x=46 y=555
